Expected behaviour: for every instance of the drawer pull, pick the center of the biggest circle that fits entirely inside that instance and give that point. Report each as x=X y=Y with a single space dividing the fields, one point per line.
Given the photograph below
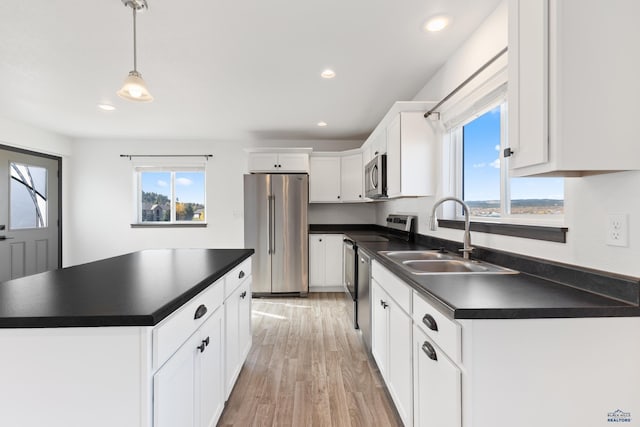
x=429 y=351
x=430 y=322
x=243 y=294
x=206 y=341
x=201 y=347
x=241 y=275
x=384 y=304
x=200 y=311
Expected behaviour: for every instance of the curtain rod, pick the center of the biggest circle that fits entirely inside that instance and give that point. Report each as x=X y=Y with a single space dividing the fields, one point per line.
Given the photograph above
x=464 y=83
x=130 y=156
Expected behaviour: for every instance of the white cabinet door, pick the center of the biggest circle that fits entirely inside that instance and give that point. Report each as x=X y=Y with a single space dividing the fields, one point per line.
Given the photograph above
x=237 y=338
x=244 y=323
x=379 y=327
x=174 y=389
x=324 y=179
x=379 y=143
x=232 y=348
x=210 y=370
x=528 y=82
x=316 y=260
x=437 y=387
x=410 y=156
x=399 y=370
x=333 y=259
x=293 y=162
x=263 y=162
x=352 y=172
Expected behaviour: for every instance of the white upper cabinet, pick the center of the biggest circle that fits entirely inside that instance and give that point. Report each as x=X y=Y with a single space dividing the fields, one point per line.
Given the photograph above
x=410 y=156
x=324 y=179
x=336 y=178
x=571 y=109
x=279 y=162
x=351 y=173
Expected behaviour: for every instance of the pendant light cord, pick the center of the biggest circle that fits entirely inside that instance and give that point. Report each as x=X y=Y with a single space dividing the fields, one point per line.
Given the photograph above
x=135 y=53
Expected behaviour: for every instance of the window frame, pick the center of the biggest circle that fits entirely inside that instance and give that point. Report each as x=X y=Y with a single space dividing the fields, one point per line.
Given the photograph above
x=478 y=103
x=173 y=169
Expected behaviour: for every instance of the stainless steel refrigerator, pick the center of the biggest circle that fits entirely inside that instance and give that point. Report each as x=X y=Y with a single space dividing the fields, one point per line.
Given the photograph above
x=276 y=227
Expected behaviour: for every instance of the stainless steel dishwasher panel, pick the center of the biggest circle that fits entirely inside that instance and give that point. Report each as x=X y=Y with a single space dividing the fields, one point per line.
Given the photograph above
x=364 y=298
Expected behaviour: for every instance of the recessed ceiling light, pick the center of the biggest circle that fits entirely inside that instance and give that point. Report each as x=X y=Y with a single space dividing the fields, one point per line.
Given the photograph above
x=328 y=74
x=436 y=23
x=106 y=107
x=322 y=124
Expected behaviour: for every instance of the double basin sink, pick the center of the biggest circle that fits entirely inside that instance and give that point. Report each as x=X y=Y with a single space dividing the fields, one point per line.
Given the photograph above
x=438 y=262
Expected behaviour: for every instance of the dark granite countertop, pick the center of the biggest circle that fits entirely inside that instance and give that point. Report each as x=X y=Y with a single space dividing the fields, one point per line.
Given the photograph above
x=511 y=296
x=136 y=289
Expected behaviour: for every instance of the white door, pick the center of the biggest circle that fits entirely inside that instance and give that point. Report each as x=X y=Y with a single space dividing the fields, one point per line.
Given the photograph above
x=244 y=324
x=352 y=173
x=334 y=264
x=400 y=361
x=316 y=259
x=379 y=327
x=29 y=200
x=324 y=179
x=232 y=341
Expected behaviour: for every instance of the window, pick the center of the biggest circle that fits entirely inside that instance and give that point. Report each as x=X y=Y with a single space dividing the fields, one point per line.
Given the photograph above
x=483 y=177
x=28 y=197
x=170 y=195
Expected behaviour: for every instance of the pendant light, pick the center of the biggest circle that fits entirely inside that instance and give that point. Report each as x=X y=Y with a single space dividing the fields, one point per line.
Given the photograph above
x=134 y=87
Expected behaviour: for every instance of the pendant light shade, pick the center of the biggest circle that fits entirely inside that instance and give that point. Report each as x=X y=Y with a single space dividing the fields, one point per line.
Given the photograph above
x=134 y=88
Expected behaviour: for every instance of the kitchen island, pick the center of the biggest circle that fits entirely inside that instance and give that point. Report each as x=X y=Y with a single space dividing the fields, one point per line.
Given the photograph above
x=151 y=338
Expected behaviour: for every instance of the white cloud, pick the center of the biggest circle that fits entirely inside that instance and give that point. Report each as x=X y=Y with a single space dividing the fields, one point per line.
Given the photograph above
x=479 y=165
x=495 y=164
x=497 y=148
x=162 y=183
x=184 y=181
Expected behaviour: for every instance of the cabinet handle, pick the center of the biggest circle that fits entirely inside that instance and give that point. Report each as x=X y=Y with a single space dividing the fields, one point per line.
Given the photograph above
x=279 y=166
x=200 y=311
x=275 y=166
x=319 y=240
x=430 y=322
x=360 y=196
x=206 y=341
x=338 y=197
x=376 y=153
x=243 y=294
x=201 y=347
x=429 y=351
x=384 y=304
x=508 y=152
x=241 y=275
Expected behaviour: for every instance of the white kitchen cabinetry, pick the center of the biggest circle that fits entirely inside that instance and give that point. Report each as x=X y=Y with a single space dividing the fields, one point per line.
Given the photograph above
x=336 y=178
x=351 y=174
x=237 y=307
x=500 y=372
x=279 y=162
x=324 y=179
x=189 y=388
x=391 y=338
x=436 y=385
x=325 y=262
x=410 y=156
x=570 y=110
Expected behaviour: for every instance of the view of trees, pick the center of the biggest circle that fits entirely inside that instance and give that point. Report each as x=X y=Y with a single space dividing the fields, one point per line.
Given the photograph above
x=157 y=207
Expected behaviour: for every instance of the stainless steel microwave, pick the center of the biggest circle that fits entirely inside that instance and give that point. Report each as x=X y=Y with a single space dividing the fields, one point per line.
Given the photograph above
x=375 y=177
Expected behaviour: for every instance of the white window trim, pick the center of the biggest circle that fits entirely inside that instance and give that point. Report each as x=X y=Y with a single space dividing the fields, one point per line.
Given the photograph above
x=483 y=98
x=165 y=165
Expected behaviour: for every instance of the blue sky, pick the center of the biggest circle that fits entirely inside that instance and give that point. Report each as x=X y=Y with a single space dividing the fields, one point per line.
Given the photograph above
x=482 y=165
x=189 y=185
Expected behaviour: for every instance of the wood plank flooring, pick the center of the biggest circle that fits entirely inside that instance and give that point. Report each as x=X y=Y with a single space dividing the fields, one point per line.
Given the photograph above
x=307 y=367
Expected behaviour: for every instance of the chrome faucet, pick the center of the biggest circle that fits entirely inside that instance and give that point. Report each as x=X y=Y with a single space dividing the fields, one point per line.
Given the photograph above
x=433 y=223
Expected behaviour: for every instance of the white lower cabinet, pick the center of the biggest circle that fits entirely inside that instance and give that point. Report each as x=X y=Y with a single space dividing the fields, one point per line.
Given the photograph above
x=391 y=348
x=325 y=262
x=238 y=332
x=189 y=389
x=443 y=372
x=436 y=385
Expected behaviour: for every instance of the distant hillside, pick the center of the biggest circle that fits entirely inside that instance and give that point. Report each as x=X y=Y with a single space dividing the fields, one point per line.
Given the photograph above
x=517 y=203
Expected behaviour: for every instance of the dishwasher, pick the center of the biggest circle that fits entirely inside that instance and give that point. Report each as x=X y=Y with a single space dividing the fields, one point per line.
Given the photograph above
x=364 y=297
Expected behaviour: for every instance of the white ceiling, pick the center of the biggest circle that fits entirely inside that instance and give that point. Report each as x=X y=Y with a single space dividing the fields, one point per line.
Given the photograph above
x=222 y=69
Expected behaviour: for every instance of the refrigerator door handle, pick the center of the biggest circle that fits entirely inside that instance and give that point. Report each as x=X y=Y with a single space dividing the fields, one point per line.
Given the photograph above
x=271 y=220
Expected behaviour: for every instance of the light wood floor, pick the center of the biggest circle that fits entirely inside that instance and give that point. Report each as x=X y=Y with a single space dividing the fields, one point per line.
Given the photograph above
x=307 y=367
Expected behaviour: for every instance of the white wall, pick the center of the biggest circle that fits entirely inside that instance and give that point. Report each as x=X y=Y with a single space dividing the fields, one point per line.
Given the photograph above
x=101 y=200
x=587 y=199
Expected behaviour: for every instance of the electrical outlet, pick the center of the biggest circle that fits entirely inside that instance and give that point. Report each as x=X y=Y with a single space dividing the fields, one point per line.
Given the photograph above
x=618 y=230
